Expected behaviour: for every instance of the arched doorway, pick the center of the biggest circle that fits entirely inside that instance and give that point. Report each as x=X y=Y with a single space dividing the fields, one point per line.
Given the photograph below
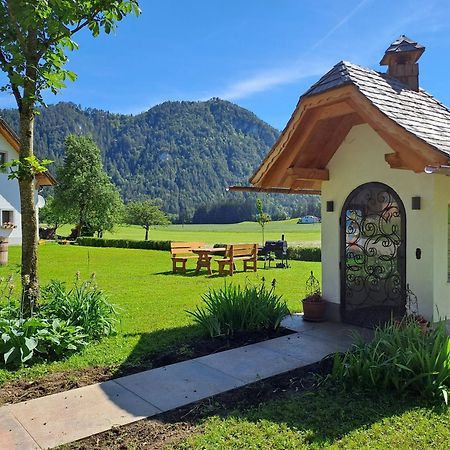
x=373 y=256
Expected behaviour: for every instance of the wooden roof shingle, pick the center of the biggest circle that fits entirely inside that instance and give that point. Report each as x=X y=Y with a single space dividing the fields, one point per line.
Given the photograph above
x=416 y=111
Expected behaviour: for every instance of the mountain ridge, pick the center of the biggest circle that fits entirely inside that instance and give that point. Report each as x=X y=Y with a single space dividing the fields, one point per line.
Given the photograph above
x=184 y=153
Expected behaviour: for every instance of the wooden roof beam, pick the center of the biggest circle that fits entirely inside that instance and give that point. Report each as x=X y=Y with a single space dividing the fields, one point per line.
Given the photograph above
x=306 y=106
x=256 y=189
x=300 y=173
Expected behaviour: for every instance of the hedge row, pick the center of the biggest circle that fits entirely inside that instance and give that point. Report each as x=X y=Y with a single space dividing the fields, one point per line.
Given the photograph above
x=123 y=243
x=296 y=253
x=304 y=253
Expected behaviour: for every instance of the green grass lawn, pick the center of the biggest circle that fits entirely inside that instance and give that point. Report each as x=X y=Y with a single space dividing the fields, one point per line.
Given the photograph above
x=152 y=300
x=245 y=232
x=331 y=420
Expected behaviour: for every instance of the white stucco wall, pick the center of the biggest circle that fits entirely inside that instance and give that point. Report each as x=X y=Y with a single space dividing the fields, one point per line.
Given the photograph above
x=10 y=197
x=359 y=160
x=441 y=251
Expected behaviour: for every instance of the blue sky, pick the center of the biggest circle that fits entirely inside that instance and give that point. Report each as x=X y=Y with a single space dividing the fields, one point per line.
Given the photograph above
x=260 y=54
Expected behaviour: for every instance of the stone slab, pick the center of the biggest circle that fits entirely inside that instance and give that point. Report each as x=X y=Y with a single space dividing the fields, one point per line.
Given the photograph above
x=305 y=348
x=12 y=434
x=179 y=384
x=251 y=363
x=339 y=332
x=295 y=322
x=328 y=329
x=68 y=416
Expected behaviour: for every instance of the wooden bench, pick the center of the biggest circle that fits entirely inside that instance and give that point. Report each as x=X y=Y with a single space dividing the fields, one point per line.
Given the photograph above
x=181 y=252
x=239 y=252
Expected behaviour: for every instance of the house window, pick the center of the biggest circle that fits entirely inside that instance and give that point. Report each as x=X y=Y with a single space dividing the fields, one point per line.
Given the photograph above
x=7 y=217
x=3 y=160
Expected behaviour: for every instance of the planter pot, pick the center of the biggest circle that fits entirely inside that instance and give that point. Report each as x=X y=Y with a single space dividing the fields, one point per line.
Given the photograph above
x=423 y=327
x=314 y=311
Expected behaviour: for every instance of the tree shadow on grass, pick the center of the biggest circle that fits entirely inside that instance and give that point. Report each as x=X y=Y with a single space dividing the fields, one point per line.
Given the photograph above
x=189 y=273
x=325 y=415
x=160 y=347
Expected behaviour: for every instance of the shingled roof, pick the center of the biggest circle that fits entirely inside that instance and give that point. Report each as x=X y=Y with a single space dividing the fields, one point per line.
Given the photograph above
x=416 y=111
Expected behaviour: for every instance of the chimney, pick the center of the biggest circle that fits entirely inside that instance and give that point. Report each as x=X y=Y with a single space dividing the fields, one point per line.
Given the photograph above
x=401 y=58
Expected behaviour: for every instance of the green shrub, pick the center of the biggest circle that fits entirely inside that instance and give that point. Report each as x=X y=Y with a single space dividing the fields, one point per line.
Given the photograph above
x=84 y=305
x=305 y=253
x=124 y=243
x=62 y=325
x=23 y=340
x=400 y=357
x=233 y=309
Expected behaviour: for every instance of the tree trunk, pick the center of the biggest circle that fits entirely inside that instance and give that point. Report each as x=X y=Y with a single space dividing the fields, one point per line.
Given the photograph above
x=30 y=282
x=146 y=233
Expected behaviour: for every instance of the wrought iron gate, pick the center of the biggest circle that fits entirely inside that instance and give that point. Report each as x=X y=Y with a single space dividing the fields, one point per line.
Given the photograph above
x=373 y=256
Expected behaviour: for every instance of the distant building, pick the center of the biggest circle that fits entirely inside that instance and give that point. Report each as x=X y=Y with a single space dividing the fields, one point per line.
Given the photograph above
x=309 y=219
x=10 y=214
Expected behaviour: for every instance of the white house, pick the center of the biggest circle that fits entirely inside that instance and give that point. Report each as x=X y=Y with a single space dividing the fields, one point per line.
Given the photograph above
x=10 y=216
x=377 y=149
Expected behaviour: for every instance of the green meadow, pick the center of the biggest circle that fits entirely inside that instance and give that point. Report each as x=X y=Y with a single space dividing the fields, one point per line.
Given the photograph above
x=151 y=299
x=245 y=232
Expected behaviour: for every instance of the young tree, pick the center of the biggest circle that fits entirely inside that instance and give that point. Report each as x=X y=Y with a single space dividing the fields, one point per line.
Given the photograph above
x=85 y=193
x=146 y=214
x=261 y=217
x=34 y=38
x=51 y=215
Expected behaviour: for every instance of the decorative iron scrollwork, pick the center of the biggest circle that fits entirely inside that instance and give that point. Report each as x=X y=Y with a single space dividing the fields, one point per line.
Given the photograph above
x=373 y=223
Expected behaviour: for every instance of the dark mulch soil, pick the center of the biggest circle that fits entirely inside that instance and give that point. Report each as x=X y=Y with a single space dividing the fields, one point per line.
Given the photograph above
x=20 y=390
x=169 y=428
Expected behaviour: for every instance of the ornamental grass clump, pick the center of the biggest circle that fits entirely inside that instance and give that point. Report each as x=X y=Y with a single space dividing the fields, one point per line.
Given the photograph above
x=234 y=309
x=83 y=305
x=401 y=357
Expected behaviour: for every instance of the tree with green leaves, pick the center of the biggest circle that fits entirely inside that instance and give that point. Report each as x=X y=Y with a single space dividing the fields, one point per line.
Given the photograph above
x=146 y=214
x=261 y=217
x=51 y=215
x=35 y=36
x=85 y=193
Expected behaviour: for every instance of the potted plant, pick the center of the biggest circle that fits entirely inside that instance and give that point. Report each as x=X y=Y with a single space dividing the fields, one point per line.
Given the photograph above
x=314 y=305
x=421 y=322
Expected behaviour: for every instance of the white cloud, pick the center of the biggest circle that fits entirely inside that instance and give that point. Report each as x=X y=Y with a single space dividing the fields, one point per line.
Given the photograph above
x=299 y=70
x=266 y=80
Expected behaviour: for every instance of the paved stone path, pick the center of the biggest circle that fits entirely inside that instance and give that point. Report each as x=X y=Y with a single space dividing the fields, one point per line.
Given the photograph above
x=61 y=418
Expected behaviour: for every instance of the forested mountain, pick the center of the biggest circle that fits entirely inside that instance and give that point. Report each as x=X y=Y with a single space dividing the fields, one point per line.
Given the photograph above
x=184 y=153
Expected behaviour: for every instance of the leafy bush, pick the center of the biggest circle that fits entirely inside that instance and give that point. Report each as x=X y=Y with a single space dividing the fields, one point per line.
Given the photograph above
x=124 y=243
x=61 y=326
x=24 y=339
x=305 y=253
x=232 y=309
x=84 y=305
x=400 y=357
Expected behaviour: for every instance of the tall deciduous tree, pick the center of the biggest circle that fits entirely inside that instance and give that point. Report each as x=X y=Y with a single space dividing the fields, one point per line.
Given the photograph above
x=34 y=38
x=145 y=213
x=85 y=193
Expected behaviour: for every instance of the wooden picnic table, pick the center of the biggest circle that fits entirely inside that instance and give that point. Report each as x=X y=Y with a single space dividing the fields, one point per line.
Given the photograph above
x=204 y=256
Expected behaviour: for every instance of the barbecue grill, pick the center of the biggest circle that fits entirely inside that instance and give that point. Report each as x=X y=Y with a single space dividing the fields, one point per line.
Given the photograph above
x=277 y=249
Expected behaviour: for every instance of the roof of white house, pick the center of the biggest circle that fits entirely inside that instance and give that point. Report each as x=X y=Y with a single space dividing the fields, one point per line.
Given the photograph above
x=416 y=111
x=44 y=178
